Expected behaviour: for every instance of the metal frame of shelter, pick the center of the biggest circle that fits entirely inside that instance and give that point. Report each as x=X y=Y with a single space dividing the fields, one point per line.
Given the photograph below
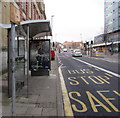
x=29 y=30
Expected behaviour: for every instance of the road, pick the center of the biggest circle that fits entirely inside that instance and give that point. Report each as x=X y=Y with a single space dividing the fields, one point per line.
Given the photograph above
x=92 y=85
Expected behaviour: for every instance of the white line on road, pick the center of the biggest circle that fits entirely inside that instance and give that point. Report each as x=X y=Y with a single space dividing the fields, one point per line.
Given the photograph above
x=115 y=74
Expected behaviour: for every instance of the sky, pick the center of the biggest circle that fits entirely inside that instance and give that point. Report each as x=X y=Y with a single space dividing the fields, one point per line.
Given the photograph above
x=75 y=20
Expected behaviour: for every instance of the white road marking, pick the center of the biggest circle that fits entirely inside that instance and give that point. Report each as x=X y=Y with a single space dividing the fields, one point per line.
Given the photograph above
x=115 y=74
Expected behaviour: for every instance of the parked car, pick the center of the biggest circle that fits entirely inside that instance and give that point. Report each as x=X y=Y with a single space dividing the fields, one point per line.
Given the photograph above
x=65 y=49
x=76 y=53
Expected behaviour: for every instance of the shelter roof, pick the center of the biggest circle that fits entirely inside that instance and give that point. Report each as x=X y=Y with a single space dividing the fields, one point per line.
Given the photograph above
x=37 y=28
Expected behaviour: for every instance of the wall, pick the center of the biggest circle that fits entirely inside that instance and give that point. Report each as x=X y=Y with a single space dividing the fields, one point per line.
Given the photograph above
x=5 y=19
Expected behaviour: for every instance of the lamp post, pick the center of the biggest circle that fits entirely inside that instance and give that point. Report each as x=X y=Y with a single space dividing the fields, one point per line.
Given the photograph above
x=52 y=28
x=52 y=21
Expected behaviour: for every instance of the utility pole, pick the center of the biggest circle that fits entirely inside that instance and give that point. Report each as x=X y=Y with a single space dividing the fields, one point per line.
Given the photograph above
x=105 y=40
x=27 y=57
x=15 y=19
x=87 y=43
x=13 y=69
x=91 y=48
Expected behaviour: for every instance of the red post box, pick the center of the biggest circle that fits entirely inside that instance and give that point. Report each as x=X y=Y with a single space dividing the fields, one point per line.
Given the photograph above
x=52 y=55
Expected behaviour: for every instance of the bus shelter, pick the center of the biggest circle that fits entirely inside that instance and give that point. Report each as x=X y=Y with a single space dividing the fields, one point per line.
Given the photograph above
x=19 y=53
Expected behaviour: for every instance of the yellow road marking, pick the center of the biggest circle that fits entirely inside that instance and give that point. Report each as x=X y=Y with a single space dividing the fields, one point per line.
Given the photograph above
x=100 y=81
x=66 y=100
x=92 y=98
x=71 y=72
x=116 y=93
x=109 y=75
x=84 y=80
x=107 y=99
x=115 y=74
x=97 y=69
x=90 y=66
x=104 y=79
x=82 y=70
x=84 y=108
x=73 y=79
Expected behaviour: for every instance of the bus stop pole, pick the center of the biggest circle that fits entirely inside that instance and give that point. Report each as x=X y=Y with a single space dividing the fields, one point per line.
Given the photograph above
x=13 y=69
x=27 y=57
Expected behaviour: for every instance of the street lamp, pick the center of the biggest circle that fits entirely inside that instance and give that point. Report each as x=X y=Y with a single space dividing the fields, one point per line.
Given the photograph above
x=52 y=21
x=52 y=26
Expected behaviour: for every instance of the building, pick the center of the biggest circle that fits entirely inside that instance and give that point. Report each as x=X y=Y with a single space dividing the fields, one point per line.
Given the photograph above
x=28 y=11
x=99 y=43
x=112 y=16
x=110 y=40
x=112 y=24
x=73 y=45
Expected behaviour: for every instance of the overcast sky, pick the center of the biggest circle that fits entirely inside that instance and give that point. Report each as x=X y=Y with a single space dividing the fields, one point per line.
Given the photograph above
x=75 y=20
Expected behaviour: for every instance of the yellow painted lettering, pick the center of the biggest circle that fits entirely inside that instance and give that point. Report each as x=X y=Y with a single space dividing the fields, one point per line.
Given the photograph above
x=84 y=80
x=100 y=81
x=116 y=93
x=88 y=71
x=79 y=72
x=107 y=77
x=100 y=104
x=108 y=100
x=104 y=79
x=84 y=108
x=108 y=74
x=82 y=70
x=97 y=69
x=71 y=72
x=74 y=82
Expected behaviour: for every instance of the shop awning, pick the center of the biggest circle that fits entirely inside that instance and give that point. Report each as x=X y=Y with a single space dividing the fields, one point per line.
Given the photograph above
x=37 y=28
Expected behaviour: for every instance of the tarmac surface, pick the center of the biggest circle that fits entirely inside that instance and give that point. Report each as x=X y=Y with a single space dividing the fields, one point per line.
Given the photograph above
x=45 y=97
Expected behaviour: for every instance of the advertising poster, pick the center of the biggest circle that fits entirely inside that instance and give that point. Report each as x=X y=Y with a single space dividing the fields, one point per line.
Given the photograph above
x=39 y=54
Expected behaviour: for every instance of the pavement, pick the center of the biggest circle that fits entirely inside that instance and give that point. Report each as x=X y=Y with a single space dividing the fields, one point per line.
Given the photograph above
x=115 y=58
x=44 y=96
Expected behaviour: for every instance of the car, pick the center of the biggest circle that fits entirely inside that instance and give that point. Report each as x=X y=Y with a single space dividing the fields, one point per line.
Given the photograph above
x=65 y=50
x=76 y=53
x=71 y=49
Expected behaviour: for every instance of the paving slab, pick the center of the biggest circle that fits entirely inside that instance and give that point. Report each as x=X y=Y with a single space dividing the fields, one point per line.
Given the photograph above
x=44 y=96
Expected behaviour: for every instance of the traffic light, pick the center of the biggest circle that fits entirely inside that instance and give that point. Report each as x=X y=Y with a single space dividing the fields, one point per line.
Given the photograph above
x=91 y=42
x=87 y=43
x=53 y=44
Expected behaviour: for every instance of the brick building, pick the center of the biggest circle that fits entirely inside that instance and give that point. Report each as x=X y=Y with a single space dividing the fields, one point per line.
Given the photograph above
x=73 y=45
x=28 y=11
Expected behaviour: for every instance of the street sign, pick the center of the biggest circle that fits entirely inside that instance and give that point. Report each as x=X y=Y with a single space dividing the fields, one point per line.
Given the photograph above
x=14 y=14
